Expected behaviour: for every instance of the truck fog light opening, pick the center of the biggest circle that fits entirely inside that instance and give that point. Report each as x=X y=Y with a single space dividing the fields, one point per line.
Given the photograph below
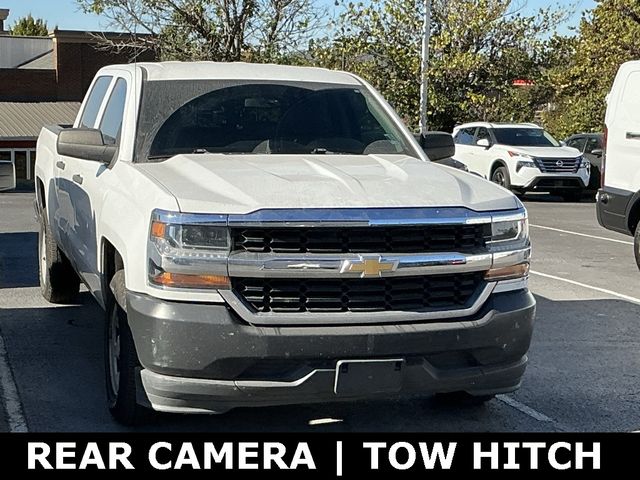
x=181 y=280
x=507 y=273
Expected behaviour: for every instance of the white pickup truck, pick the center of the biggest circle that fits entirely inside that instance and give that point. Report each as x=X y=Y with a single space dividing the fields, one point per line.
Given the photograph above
x=263 y=235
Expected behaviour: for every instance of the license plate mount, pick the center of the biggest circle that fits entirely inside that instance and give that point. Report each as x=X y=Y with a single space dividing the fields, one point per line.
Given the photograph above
x=357 y=377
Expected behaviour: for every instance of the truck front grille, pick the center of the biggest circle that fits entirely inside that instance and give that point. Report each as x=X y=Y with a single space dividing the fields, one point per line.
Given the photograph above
x=558 y=165
x=358 y=295
x=423 y=239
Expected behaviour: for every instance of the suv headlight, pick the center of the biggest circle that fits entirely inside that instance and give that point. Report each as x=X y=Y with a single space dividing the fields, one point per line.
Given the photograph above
x=584 y=163
x=188 y=251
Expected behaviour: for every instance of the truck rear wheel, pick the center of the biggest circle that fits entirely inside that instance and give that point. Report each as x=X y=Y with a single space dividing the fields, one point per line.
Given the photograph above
x=121 y=365
x=59 y=283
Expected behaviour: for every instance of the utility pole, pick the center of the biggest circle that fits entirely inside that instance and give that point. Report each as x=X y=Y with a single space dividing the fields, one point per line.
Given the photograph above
x=424 y=100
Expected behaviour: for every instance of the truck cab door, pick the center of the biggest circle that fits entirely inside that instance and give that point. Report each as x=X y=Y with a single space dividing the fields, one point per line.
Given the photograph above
x=88 y=179
x=68 y=194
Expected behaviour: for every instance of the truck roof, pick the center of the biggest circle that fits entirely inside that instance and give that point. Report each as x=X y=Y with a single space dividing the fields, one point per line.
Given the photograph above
x=237 y=71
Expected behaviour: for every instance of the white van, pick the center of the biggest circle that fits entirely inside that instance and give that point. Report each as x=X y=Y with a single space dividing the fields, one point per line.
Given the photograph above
x=619 y=198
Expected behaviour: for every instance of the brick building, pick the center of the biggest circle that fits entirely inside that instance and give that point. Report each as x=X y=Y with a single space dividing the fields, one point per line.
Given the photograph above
x=42 y=81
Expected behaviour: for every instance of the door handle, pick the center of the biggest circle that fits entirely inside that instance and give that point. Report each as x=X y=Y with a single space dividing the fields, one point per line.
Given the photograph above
x=633 y=135
x=60 y=164
x=78 y=179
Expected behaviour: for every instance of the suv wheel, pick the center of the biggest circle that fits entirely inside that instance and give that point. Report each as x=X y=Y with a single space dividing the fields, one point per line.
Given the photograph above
x=59 y=283
x=501 y=176
x=121 y=365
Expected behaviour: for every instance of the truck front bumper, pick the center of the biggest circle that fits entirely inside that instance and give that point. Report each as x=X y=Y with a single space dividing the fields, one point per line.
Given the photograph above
x=202 y=358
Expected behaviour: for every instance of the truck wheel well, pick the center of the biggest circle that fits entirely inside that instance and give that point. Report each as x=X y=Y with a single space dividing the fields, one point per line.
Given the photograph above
x=42 y=202
x=496 y=165
x=112 y=263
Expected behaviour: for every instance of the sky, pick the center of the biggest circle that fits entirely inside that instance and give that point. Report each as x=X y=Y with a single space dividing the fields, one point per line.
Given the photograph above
x=67 y=16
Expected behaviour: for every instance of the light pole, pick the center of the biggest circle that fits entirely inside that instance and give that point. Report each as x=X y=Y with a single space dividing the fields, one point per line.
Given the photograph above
x=424 y=124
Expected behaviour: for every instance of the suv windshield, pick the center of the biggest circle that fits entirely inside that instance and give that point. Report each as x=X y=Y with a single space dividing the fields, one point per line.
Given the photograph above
x=525 y=137
x=264 y=118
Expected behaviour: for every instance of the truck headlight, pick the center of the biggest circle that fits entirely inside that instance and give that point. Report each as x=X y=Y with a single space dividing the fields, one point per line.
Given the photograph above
x=509 y=234
x=509 y=239
x=188 y=251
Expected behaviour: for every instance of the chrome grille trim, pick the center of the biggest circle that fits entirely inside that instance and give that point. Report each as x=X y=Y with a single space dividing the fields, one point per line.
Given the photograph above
x=550 y=165
x=258 y=265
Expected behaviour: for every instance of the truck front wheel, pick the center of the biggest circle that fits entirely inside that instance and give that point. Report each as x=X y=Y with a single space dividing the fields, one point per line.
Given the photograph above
x=121 y=365
x=59 y=283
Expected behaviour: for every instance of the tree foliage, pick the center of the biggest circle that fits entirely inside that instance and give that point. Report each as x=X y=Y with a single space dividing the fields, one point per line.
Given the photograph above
x=608 y=36
x=478 y=47
x=30 y=27
x=222 y=30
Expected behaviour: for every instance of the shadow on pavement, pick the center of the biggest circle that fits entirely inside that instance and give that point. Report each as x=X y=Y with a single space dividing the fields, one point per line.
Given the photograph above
x=18 y=259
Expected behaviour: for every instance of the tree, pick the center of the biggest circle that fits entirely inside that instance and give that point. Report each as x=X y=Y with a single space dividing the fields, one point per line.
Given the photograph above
x=30 y=27
x=223 y=30
x=478 y=47
x=607 y=38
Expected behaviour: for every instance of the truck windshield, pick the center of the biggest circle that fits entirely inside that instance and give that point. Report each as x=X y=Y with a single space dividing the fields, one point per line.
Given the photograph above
x=525 y=137
x=264 y=118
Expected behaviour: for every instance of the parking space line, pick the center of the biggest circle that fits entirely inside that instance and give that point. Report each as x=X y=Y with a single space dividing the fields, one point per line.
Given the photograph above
x=521 y=407
x=628 y=298
x=595 y=237
x=10 y=398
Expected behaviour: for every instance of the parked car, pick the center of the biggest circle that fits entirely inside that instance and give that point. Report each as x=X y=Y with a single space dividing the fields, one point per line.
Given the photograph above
x=7 y=175
x=618 y=201
x=264 y=235
x=591 y=145
x=522 y=158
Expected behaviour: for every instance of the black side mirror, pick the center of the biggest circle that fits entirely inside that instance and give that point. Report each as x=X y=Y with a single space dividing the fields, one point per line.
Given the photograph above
x=86 y=144
x=438 y=145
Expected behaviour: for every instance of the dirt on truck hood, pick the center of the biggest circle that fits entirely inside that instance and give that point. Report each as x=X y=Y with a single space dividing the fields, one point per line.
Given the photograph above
x=238 y=184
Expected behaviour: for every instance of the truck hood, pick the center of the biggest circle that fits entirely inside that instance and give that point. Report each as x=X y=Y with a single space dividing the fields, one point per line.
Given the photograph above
x=546 y=152
x=239 y=184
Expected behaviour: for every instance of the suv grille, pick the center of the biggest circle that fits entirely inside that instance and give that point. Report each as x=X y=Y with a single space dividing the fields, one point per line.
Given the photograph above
x=358 y=295
x=558 y=165
x=423 y=239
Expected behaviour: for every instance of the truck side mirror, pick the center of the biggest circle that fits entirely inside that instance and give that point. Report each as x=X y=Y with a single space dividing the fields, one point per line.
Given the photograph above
x=438 y=145
x=85 y=144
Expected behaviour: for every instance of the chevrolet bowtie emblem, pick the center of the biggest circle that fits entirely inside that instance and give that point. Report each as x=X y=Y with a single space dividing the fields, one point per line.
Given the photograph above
x=368 y=267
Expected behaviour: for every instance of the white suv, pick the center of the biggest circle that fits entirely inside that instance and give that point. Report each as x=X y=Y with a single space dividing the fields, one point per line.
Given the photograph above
x=522 y=157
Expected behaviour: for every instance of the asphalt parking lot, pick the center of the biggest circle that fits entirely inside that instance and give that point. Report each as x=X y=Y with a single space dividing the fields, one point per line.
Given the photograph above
x=584 y=363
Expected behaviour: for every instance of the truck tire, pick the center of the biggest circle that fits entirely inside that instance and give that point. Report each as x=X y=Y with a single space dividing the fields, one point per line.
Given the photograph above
x=121 y=362
x=501 y=176
x=636 y=245
x=59 y=283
